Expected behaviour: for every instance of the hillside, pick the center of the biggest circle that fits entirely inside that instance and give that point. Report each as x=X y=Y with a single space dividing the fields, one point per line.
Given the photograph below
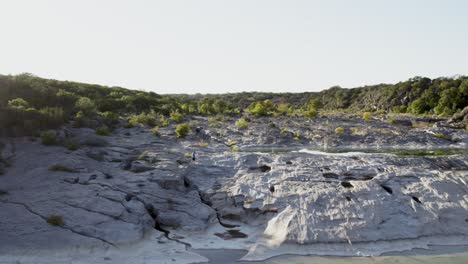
x=29 y=103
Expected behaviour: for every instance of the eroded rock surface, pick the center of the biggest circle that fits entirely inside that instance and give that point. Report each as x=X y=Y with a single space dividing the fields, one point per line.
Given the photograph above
x=133 y=187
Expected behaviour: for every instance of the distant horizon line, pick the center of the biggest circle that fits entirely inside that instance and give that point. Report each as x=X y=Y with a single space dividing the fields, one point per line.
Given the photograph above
x=455 y=76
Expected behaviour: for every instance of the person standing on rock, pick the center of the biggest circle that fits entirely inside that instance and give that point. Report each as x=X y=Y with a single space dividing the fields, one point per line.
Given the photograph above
x=193 y=156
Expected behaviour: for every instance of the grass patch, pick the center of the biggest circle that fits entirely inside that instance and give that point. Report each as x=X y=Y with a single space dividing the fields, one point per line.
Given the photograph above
x=242 y=123
x=48 y=138
x=367 y=116
x=59 y=167
x=219 y=118
x=339 y=130
x=55 y=220
x=441 y=135
x=214 y=125
x=297 y=136
x=71 y=144
x=103 y=131
x=203 y=144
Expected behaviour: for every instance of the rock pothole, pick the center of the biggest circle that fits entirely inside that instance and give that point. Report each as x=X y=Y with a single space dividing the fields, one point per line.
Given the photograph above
x=387 y=189
x=347 y=184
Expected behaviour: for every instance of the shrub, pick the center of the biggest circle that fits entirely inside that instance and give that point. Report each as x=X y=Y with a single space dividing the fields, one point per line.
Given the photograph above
x=59 y=167
x=71 y=144
x=81 y=120
x=163 y=121
x=110 y=118
x=297 y=136
x=176 y=116
x=271 y=124
x=215 y=118
x=85 y=105
x=48 y=138
x=103 y=131
x=182 y=130
x=241 y=123
x=310 y=113
x=155 y=131
x=18 y=103
x=441 y=135
x=55 y=220
x=261 y=108
x=390 y=120
x=366 y=116
x=339 y=130
x=143 y=119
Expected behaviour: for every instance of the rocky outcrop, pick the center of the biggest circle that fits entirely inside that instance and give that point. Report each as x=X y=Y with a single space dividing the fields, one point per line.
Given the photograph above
x=138 y=188
x=460 y=117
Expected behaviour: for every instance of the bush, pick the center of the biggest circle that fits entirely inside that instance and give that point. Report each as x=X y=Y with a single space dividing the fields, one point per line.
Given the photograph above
x=215 y=118
x=71 y=144
x=55 y=220
x=148 y=119
x=367 y=116
x=297 y=136
x=103 y=131
x=85 y=105
x=339 y=130
x=18 y=103
x=241 y=123
x=176 y=116
x=310 y=113
x=163 y=121
x=59 y=167
x=441 y=135
x=182 y=130
x=48 y=138
x=110 y=118
x=261 y=108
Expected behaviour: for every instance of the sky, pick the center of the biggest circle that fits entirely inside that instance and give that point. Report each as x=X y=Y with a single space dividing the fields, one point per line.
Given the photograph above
x=219 y=46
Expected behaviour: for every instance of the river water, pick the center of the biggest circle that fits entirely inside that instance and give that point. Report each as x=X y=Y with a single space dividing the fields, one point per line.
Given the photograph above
x=433 y=255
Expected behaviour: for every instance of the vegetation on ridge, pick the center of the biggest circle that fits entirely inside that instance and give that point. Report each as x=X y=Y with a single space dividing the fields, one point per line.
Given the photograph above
x=29 y=104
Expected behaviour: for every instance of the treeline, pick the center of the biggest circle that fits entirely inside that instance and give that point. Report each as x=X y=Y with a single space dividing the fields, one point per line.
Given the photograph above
x=29 y=104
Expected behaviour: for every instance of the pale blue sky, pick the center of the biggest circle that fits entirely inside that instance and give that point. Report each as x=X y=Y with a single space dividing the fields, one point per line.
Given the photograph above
x=220 y=46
